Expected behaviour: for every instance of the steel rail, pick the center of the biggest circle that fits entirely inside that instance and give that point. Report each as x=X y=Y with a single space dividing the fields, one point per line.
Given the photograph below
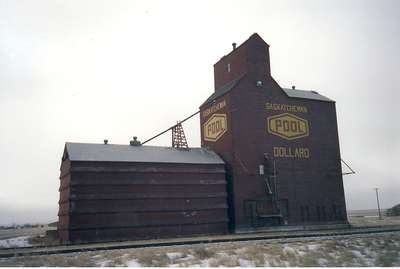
x=62 y=249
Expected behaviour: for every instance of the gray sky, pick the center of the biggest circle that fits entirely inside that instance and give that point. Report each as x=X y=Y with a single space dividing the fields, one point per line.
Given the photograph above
x=83 y=71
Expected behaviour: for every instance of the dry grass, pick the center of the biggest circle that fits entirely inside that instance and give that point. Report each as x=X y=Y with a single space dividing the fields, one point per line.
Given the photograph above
x=225 y=261
x=42 y=240
x=157 y=260
x=372 y=250
x=201 y=252
x=374 y=221
x=254 y=253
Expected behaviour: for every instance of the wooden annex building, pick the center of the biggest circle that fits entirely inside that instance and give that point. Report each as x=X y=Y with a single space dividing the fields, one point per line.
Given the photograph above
x=269 y=156
x=114 y=192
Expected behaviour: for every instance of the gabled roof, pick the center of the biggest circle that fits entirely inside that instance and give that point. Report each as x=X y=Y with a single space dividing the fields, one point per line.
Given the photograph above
x=312 y=95
x=254 y=37
x=223 y=90
x=142 y=154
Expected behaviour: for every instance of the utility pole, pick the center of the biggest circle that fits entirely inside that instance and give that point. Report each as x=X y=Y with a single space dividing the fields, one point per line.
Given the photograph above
x=377 y=201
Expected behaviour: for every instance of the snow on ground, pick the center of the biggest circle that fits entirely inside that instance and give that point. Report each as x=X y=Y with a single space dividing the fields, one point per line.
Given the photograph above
x=10 y=233
x=133 y=263
x=313 y=247
x=373 y=221
x=245 y=263
x=21 y=241
x=174 y=255
x=361 y=250
x=104 y=263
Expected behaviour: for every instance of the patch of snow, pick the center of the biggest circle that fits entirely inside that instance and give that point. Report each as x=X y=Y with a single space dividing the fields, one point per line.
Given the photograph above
x=357 y=253
x=133 y=263
x=369 y=262
x=174 y=255
x=222 y=254
x=188 y=257
x=301 y=253
x=287 y=249
x=313 y=247
x=335 y=255
x=104 y=263
x=322 y=262
x=245 y=263
x=16 y=242
x=369 y=253
x=205 y=263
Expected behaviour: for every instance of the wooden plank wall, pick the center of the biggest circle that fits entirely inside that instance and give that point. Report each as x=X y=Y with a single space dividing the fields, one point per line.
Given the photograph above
x=120 y=201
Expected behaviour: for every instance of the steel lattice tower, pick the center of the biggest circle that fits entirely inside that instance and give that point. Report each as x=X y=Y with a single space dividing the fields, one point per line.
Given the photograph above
x=178 y=137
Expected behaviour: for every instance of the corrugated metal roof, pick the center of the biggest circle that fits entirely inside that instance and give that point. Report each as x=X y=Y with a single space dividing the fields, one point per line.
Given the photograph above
x=313 y=95
x=223 y=90
x=127 y=153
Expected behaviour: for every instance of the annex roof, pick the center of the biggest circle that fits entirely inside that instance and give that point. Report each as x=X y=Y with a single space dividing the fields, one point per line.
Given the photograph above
x=313 y=95
x=143 y=154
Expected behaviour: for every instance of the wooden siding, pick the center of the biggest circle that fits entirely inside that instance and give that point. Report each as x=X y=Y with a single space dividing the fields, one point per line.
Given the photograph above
x=310 y=189
x=121 y=201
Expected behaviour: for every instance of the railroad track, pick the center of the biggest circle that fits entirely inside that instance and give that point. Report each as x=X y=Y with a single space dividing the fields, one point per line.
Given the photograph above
x=46 y=250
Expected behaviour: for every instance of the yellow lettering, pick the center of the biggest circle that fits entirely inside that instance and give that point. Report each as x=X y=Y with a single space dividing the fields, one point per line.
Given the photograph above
x=287 y=126
x=285 y=107
x=287 y=152
x=214 y=108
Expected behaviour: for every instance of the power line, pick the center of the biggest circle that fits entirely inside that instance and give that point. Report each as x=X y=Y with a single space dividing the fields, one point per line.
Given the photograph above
x=170 y=128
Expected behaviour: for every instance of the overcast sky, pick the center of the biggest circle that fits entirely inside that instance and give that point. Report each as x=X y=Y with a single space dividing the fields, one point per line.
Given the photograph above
x=83 y=71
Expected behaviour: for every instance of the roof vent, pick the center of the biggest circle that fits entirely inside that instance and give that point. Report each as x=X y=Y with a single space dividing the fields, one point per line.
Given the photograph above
x=293 y=87
x=234 y=46
x=314 y=92
x=259 y=83
x=105 y=141
x=135 y=142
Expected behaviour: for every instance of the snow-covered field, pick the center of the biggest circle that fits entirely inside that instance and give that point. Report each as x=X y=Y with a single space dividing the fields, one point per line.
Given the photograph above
x=11 y=233
x=371 y=250
x=373 y=221
x=16 y=242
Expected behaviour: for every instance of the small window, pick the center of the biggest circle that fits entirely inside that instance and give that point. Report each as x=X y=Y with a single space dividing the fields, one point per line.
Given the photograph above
x=229 y=67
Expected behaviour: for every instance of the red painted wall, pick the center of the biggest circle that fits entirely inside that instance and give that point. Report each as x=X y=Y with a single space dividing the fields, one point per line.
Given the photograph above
x=310 y=188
